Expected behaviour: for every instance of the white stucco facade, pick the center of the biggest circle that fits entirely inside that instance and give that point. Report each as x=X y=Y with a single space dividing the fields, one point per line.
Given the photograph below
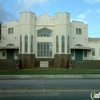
x=74 y=34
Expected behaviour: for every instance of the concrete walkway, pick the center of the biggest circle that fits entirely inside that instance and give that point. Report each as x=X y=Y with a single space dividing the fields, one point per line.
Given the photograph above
x=23 y=77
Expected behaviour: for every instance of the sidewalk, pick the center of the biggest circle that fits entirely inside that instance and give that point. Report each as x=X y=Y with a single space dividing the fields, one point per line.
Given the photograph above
x=24 y=77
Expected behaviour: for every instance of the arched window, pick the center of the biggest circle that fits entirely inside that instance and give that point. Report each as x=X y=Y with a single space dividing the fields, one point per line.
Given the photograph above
x=20 y=43
x=68 y=44
x=26 y=43
x=63 y=43
x=44 y=33
x=31 y=44
x=57 y=44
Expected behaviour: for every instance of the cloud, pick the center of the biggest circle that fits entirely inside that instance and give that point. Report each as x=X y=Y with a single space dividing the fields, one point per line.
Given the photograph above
x=98 y=11
x=92 y=1
x=31 y=1
x=25 y=5
x=83 y=15
x=10 y=11
x=4 y=15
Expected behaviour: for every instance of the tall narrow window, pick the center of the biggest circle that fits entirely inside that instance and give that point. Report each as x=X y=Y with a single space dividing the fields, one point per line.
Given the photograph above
x=39 y=49
x=42 y=49
x=20 y=43
x=26 y=43
x=63 y=43
x=50 y=49
x=80 y=31
x=45 y=49
x=31 y=44
x=68 y=44
x=57 y=44
x=93 y=51
x=76 y=30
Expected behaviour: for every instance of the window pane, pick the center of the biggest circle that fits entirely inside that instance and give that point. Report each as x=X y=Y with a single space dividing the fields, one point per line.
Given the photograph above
x=20 y=43
x=50 y=53
x=39 y=49
x=44 y=33
x=76 y=30
x=26 y=43
x=68 y=44
x=38 y=53
x=57 y=44
x=80 y=32
x=41 y=34
x=93 y=52
x=10 y=30
x=63 y=44
x=45 y=50
x=31 y=44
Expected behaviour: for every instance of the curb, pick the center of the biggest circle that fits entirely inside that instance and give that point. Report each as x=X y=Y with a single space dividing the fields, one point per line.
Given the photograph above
x=24 y=77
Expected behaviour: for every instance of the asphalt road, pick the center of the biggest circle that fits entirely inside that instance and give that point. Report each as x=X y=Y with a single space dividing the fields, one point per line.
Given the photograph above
x=48 y=89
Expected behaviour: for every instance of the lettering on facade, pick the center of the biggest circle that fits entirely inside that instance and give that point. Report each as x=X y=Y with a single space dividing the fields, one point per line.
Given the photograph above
x=44 y=64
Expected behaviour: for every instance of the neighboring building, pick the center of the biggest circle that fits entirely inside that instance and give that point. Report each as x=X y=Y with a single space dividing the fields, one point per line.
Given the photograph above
x=46 y=41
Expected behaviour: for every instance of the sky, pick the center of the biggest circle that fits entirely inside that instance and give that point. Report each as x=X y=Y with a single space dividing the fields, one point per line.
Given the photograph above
x=87 y=11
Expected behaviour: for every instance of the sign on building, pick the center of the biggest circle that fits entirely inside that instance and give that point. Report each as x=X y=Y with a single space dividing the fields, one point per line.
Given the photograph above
x=44 y=64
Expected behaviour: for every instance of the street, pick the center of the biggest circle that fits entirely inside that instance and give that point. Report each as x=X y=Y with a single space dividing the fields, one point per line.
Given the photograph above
x=48 y=89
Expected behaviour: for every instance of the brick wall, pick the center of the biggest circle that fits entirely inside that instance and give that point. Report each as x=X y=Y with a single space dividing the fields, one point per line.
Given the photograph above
x=27 y=61
x=7 y=65
x=61 y=60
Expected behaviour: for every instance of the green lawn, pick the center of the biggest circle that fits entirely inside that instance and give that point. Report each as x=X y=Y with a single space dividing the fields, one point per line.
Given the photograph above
x=48 y=72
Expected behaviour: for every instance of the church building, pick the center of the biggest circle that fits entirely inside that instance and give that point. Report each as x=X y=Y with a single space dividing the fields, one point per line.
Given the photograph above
x=46 y=42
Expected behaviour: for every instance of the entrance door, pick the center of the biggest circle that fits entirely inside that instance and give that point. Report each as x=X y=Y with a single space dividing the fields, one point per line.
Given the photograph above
x=10 y=54
x=78 y=55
